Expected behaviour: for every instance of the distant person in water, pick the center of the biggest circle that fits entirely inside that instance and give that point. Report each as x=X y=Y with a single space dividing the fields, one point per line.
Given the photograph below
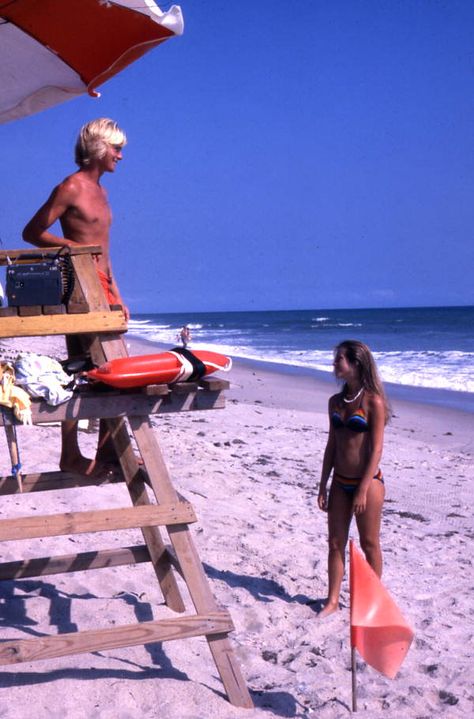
x=357 y=418
x=185 y=336
x=81 y=205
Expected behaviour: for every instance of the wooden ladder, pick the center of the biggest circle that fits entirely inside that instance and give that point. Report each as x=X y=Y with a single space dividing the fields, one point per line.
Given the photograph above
x=155 y=502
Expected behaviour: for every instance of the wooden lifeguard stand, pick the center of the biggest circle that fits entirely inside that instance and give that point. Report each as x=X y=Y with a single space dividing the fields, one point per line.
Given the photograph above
x=155 y=502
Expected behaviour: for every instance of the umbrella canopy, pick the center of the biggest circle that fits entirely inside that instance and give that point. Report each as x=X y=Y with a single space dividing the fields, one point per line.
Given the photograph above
x=54 y=50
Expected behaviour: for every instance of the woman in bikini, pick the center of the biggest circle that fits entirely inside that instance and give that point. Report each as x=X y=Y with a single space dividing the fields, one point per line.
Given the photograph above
x=357 y=417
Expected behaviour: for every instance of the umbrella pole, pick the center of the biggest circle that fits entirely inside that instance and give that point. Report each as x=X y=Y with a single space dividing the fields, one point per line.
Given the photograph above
x=354 y=679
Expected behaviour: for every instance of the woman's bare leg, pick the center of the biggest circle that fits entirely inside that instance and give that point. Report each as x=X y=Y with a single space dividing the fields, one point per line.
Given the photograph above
x=368 y=525
x=339 y=520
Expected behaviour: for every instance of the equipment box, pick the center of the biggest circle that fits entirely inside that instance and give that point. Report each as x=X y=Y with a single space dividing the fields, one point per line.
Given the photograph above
x=35 y=284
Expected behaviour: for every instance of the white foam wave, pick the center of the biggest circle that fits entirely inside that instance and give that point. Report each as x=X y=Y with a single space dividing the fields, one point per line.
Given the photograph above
x=451 y=370
x=435 y=370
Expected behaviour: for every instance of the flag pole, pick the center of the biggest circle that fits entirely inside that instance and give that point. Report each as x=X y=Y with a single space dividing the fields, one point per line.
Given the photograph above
x=354 y=679
x=353 y=651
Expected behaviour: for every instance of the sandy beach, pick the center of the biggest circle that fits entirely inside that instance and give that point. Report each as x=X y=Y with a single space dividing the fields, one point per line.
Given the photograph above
x=251 y=472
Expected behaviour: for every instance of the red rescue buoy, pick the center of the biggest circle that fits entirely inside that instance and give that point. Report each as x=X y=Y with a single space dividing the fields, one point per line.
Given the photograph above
x=177 y=365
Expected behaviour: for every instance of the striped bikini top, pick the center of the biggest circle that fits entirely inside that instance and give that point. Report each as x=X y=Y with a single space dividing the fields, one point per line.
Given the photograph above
x=356 y=422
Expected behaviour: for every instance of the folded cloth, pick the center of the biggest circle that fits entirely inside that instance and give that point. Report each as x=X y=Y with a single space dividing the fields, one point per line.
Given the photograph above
x=43 y=377
x=14 y=397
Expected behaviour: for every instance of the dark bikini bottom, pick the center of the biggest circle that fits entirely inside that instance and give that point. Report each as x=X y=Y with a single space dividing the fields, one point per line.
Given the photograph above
x=350 y=484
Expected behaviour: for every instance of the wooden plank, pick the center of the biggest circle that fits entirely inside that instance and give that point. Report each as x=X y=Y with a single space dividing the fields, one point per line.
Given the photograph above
x=90 y=285
x=100 y=406
x=47 y=481
x=105 y=406
x=99 y=520
x=77 y=303
x=208 y=400
x=54 y=309
x=30 y=310
x=161 y=630
x=214 y=384
x=154 y=390
x=77 y=308
x=184 y=387
x=7 y=256
x=80 y=562
x=8 y=312
x=86 y=277
x=93 y=322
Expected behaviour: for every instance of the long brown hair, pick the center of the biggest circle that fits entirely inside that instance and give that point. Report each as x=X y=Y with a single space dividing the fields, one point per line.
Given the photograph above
x=357 y=353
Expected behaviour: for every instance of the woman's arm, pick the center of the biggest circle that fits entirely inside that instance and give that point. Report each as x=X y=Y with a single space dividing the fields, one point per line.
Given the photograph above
x=328 y=463
x=377 y=426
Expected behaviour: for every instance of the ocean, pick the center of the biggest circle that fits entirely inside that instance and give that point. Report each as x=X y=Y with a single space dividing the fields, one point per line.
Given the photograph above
x=427 y=348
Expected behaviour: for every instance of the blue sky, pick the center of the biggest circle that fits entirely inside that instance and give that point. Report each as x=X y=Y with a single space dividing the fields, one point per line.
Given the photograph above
x=281 y=155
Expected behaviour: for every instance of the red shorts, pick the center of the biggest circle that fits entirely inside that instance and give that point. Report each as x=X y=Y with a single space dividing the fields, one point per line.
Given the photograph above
x=106 y=283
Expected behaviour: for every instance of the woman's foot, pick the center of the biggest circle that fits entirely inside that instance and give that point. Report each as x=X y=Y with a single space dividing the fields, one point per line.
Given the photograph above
x=329 y=608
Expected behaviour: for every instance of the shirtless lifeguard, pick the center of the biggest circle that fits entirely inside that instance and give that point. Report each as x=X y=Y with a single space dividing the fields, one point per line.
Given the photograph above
x=81 y=205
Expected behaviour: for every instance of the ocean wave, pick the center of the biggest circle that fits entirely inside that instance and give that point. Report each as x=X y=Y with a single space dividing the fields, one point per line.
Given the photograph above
x=335 y=325
x=435 y=370
x=289 y=344
x=146 y=325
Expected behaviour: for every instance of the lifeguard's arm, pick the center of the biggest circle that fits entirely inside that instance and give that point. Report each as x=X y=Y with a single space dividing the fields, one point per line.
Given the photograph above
x=377 y=427
x=37 y=232
x=328 y=464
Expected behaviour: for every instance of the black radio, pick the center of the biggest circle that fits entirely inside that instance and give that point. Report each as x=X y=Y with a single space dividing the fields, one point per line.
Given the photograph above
x=34 y=284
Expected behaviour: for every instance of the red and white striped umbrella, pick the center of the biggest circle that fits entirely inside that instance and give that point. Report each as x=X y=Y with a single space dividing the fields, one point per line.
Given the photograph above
x=54 y=50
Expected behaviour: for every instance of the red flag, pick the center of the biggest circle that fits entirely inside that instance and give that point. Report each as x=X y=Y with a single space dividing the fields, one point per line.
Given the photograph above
x=378 y=630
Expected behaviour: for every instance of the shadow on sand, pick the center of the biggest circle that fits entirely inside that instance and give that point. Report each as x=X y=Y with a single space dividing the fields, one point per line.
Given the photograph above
x=261 y=588
x=14 y=598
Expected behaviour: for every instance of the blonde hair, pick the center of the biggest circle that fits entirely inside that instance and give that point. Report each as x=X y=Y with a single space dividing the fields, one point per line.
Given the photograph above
x=94 y=138
x=358 y=354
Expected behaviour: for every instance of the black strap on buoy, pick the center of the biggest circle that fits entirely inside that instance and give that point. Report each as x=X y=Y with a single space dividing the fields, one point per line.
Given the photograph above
x=199 y=368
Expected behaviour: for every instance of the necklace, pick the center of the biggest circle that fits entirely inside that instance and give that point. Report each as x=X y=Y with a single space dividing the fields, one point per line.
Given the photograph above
x=353 y=399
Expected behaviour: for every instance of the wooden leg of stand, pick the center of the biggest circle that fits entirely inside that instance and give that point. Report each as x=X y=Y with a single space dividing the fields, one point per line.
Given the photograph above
x=139 y=495
x=191 y=567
